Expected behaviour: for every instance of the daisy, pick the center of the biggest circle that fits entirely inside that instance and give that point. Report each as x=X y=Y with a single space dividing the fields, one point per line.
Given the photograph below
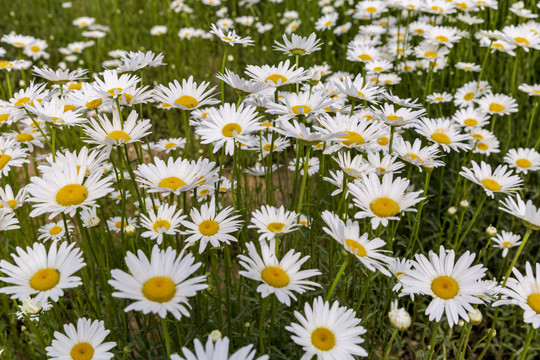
x=158 y=285
x=326 y=22
x=499 y=104
x=384 y=163
x=523 y=160
x=442 y=35
x=104 y=132
x=281 y=278
x=521 y=36
x=397 y=118
x=59 y=76
x=227 y=125
x=29 y=136
x=65 y=188
x=54 y=231
x=218 y=350
x=134 y=61
x=300 y=104
x=28 y=95
x=56 y=111
x=382 y=200
x=469 y=67
x=277 y=76
x=168 y=145
x=348 y=235
x=114 y=86
x=158 y=30
x=241 y=85
x=93 y=160
x=117 y=224
x=444 y=134
x=531 y=90
x=298 y=45
x=486 y=145
x=267 y=145
x=173 y=176
x=524 y=291
x=354 y=167
x=165 y=221
x=417 y=155
x=399 y=268
x=301 y=132
x=271 y=221
x=230 y=38
x=328 y=331
x=526 y=211
x=493 y=181
x=8 y=221
x=84 y=21
x=188 y=96
x=312 y=166
x=83 y=342
x=470 y=118
x=9 y=201
x=208 y=226
x=506 y=240
x=18 y=41
x=453 y=285
x=378 y=66
x=42 y=273
x=437 y=98
x=359 y=89
x=362 y=52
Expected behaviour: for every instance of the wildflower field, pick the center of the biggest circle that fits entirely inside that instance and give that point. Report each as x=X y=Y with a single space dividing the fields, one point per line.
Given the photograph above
x=269 y=179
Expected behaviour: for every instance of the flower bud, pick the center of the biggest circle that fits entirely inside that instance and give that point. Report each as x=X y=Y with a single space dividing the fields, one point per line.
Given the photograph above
x=130 y=230
x=464 y=204
x=399 y=317
x=216 y=335
x=491 y=231
x=29 y=307
x=475 y=317
x=452 y=210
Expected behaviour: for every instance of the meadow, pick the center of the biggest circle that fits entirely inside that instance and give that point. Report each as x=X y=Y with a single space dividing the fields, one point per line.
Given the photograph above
x=269 y=179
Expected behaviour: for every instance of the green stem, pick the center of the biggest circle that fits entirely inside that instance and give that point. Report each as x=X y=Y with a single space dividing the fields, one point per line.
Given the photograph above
x=389 y=345
x=338 y=276
x=471 y=223
x=166 y=335
x=305 y=167
x=527 y=343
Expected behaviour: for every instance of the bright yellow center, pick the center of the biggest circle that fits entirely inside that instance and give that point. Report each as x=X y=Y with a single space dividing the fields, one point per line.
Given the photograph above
x=82 y=351
x=534 y=302
x=384 y=207
x=170 y=145
x=522 y=40
x=482 y=146
x=171 y=182
x=73 y=194
x=75 y=86
x=441 y=38
x=25 y=137
x=4 y=159
x=469 y=96
x=55 y=230
x=414 y=157
x=441 y=138
x=116 y=135
x=94 y=103
x=276 y=79
x=229 y=129
x=275 y=277
x=507 y=244
x=11 y=204
x=187 y=101
x=371 y=9
x=300 y=109
x=159 y=289
x=114 y=91
x=445 y=287
x=365 y=57
x=268 y=147
x=22 y=101
x=491 y=184
x=323 y=339
x=4 y=117
x=275 y=226
x=45 y=279
x=524 y=163
x=161 y=224
x=496 y=107
x=378 y=68
x=5 y=64
x=209 y=227
x=352 y=139
x=383 y=140
x=328 y=23
x=392 y=117
x=356 y=248
x=470 y=122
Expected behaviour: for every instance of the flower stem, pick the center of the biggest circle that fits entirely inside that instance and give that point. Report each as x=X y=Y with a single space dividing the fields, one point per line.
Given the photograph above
x=338 y=276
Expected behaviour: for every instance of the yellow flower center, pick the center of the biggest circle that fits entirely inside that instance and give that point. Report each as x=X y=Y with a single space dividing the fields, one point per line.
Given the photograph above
x=4 y=159
x=383 y=140
x=384 y=207
x=521 y=40
x=300 y=109
x=469 y=96
x=275 y=227
x=414 y=157
x=159 y=289
x=470 y=122
x=209 y=227
x=275 y=276
x=25 y=137
x=268 y=147
x=170 y=145
x=171 y=182
x=491 y=184
x=35 y=48
x=119 y=224
x=482 y=146
x=94 y=103
x=229 y=129
x=371 y=9
x=496 y=107
x=82 y=351
x=116 y=135
x=365 y=57
x=187 y=101
x=277 y=79
x=4 y=117
x=22 y=101
x=328 y=23
x=5 y=64
x=75 y=86
x=73 y=194
x=352 y=139
x=524 y=163
x=507 y=244
x=55 y=230
x=445 y=287
x=19 y=44
x=114 y=91
x=11 y=204
x=323 y=339
x=378 y=68
x=534 y=302
x=392 y=117
x=45 y=279
x=356 y=248
x=441 y=38
x=161 y=224
x=441 y=138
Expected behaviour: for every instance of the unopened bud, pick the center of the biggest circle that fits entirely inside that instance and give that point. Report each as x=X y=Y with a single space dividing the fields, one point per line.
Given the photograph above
x=399 y=317
x=491 y=231
x=452 y=210
x=216 y=335
x=475 y=317
x=464 y=204
x=130 y=230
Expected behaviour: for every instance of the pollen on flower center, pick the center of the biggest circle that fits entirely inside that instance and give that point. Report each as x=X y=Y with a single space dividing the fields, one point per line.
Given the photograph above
x=470 y=122
x=441 y=38
x=356 y=248
x=414 y=157
x=172 y=182
x=524 y=163
x=469 y=96
x=522 y=40
x=94 y=103
x=507 y=244
x=276 y=79
x=496 y=107
x=114 y=91
x=4 y=159
x=300 y=109
x=441 y=138
x=352 y=138
x=45 y=279
x=23 y=137
x=209 y=227
x=384 y=207
x=82 y=351
x=55 y=230
x=491 y=184
x=275 y=276
x=445 y=287
x=534 y=302
x=323 y=339
x=22 y=101
x=187 y=101
x=73 y=194
x=430 y=54
x=365 y=57
x=383 y=140
x=269 y=147
x=159 y=289
x=116 y=135
x=229 y=129
x=170 y=145
x=392 y=117
x=275 y=226
x=12 y=203
x=161 y=224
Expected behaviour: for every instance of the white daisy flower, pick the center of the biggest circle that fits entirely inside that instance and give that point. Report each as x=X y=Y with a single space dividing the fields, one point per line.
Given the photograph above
x=355 y=167
x=471 y=118
x=498 y=104
x=506 y=240
x=117 y=224
x=417 y=155
x=531 y=90
x=523 y=160
x=231 y=38
x=271 y=221
x=493 y=181
x=168 y=145
x=298 y=45
x=303 y=103
x=218 y=350
x=8 y=221
x=188 y=96
x=241 y=85
x=443 y=133
x=525 y=211
x=54 y=231
x=277 y=76
x=173 y=176
x=11 y=155
x=384 y=163
x=9 y=201
x=165 y=221
x=103 y=132
x=114 y=86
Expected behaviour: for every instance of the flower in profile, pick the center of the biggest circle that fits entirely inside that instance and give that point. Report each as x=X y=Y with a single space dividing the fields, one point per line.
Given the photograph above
x=231 y=38
x=8 y=221
x=218 y=350
x=277 y=76
x=525 y=211
x=187 y=96
x=492 y=181
x=158 y=285
x=359 y=89
x=298 y=45
x=328 y=331
x=103 y=132
x=415 y=154
x=11 y=155
x=174 y=176
x=59 y=76
x=282 y=278
x=241 y=85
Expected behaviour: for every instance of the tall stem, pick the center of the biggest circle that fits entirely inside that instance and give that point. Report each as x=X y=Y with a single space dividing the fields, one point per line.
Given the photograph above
x=338 y=276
